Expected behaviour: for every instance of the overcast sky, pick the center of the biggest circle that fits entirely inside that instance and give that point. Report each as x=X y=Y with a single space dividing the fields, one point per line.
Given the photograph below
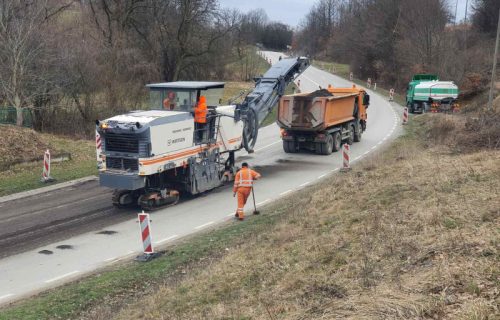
x=292 y=11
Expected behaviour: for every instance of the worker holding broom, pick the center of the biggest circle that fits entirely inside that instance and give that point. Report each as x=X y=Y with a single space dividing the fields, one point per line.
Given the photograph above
x=243 y=185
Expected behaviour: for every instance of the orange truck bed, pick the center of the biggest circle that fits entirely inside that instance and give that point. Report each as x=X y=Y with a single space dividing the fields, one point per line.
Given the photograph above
x=309 y=112
x=321 y=120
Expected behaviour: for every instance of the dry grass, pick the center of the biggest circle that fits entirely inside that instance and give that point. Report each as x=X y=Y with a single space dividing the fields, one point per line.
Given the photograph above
x=471 y=133
x=410 y=234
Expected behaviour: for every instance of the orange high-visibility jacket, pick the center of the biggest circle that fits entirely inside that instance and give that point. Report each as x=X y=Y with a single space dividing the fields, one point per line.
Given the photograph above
x=201 y=110
x=245 y=178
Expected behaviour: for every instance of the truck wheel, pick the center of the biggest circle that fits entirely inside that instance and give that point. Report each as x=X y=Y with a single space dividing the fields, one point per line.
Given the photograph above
x=350 y=140
x=328 y=146
x=358 y=132
x=337 y=141
x=289 y=146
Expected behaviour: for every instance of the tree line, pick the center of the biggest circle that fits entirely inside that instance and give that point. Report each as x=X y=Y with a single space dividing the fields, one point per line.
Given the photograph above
x=390 y=40
x=70 y=62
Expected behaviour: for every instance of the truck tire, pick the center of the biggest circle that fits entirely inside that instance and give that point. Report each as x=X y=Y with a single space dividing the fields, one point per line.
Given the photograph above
x=350 y=140
x=337 y=141
x=358 y=131
x=289 y=146
x=325 y=148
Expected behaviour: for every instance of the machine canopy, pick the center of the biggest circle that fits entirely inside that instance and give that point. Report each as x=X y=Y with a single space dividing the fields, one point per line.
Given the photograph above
x=184 y=95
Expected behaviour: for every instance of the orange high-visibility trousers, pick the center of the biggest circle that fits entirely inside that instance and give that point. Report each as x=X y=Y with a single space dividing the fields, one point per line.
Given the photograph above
x=243 y=194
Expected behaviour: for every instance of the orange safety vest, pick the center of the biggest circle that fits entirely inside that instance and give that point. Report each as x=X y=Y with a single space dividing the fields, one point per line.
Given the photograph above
x=200 y=112
x=245 y=178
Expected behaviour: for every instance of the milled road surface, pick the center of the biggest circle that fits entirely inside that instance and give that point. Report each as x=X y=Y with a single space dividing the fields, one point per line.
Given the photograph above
x=30 y=222
x=53 y=263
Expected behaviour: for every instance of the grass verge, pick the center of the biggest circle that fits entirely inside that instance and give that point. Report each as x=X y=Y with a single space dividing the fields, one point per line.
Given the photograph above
x=410 y=233
x=27 y=176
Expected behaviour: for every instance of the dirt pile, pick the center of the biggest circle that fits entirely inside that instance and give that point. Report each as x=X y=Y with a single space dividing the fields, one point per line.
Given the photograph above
x=20 y=144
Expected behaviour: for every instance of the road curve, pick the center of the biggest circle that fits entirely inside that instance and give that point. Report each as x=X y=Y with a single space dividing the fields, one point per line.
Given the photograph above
x=32 y=271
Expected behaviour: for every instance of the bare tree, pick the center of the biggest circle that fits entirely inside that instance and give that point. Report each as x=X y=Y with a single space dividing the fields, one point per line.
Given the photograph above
x=23 y=73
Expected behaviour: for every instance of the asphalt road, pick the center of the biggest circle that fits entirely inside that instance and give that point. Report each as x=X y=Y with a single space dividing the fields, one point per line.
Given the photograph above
x=113 y=235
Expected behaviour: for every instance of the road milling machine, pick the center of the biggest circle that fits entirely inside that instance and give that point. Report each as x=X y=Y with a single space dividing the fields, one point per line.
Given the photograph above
x=151 y=157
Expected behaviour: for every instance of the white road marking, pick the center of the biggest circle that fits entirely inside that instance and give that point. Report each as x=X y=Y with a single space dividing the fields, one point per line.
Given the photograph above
x=110 y=259
x=6 y=296
x=322 y=176
x=263 y=202
x=230 y=215
x=166 y=239
x=204 y=225
x=62 y=277
x=286 y=192
x=366 y=152
x=269 y=145
x=374 y=147
x=337 y=169
x=305 y=184
x=357 y=158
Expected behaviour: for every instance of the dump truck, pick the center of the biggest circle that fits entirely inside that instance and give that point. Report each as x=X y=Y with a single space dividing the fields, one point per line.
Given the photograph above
x=426 y=92
x=320 y=121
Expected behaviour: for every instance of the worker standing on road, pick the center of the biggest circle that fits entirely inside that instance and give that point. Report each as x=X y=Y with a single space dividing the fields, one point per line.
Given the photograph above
x=243 y=184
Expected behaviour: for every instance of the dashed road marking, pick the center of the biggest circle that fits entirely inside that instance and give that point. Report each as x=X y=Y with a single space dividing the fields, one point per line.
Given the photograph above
x=110 y=259
x=286 y=192
x=204 y=225
x=168 y=238
x=263 y=202
x=305 y=184
x=62 y=277
x=269 y=145
x=322 y=176
x=5 y=296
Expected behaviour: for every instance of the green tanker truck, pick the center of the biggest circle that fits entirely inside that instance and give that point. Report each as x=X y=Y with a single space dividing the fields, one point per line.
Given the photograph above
x=427 y=93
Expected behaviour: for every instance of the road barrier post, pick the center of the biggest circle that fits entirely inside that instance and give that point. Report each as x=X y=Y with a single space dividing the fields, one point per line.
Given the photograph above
x=391 y=94
x=351 y=76
x=375 y=87
x=405 y=115
x=345 y=157
x=98 y=148
x=369 y=83
x=46 y=167
x=298 y=86
x=147 y=242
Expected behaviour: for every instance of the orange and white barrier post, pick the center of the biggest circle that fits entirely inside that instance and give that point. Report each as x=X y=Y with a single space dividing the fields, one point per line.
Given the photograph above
x=351 y=76
x=147 y=240
x=98 y=149
x=46 y=167
x=369 y=83
x=391 y=94
x=405 y=115
x=345 y=157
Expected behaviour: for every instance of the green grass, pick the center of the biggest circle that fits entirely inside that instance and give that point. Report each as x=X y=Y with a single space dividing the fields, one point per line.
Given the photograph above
x=123 y=282
x=27 y=176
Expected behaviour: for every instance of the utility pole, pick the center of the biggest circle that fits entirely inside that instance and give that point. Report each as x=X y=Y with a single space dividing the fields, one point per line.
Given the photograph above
x=493 y=72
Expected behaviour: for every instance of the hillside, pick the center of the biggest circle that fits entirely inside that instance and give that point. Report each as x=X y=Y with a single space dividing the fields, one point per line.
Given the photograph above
x=22 y=152
x=411 y=233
